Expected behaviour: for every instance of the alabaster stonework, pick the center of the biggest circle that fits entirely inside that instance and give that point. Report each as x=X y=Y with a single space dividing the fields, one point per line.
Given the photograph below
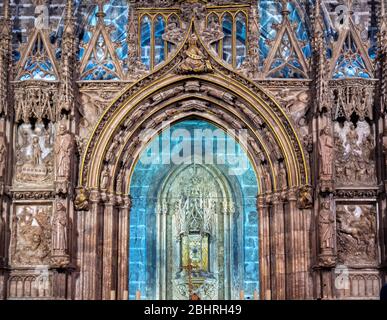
x=86 y=87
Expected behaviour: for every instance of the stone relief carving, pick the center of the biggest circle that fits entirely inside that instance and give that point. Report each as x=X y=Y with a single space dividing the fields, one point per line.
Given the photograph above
x=195 y=61
x=326 y=145
x=356 y=234
x=34 y=158
x=64 y=145
x=213 y=32
x=326 y=227
x=282 y=177
x=3 y=157
x=81 y=202
x=193 y=10
x=60 y=225
x=354 y=154
x=173 y=34
x=32 y=235
x=91 y=107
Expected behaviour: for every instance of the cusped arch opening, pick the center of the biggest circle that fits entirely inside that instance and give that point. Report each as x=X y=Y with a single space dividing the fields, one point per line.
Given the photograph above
x=196 y=213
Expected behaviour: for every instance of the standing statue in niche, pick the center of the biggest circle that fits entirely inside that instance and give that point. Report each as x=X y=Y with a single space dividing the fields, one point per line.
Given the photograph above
x=59 y=242
x=326 y=222
x=63 y=151
x=2 y=156
x=326 y=146
x=36 y=152
x=195 y=61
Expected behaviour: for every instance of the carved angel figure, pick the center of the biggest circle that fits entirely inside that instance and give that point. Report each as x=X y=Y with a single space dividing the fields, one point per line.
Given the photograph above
x=195 y=61
x=63 y=152
x=60 y=230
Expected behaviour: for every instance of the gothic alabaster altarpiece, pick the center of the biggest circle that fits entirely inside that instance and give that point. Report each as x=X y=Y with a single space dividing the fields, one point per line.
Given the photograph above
x=82 y=83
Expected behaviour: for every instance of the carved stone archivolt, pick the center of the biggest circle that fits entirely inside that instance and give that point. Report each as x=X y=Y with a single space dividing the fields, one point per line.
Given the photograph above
x=64 y=148
x=199 y=88
x=356 y=234
x=31 y=243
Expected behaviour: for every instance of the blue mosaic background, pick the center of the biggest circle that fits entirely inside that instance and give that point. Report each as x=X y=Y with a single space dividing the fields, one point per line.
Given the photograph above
x=145 y=184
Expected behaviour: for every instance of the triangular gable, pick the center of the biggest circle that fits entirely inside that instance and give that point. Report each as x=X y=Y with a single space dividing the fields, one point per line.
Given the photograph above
x=38 y=62
x=286 y=59
x=100 y=61
x=350 y=57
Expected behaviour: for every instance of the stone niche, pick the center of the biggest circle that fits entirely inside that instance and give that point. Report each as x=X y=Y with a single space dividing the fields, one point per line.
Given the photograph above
x=34 y=157
x=31 y=235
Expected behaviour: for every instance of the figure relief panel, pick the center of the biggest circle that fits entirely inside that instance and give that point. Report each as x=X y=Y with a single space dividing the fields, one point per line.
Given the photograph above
x=91 y=106
x=356 y=234
x=31 y=242
x=354 y=161
x=296 y=103
x=34 y=155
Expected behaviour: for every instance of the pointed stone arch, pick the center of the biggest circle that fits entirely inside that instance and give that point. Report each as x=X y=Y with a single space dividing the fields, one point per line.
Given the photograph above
x=206 y=89
x=38 y=56
x=293 y=58
x=100 y=55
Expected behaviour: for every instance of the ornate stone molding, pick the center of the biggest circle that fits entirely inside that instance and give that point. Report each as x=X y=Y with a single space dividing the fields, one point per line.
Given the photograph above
x=32 y=195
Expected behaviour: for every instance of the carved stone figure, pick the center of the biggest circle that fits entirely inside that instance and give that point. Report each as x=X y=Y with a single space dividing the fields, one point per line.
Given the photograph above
x=3 y=157
x=157 y=98
x=356 y=234
x=64 y=146
x=305 y=197
x=213 y=33
x=225 y=96
x=195 y=61
x=326 y=227
x=326 y=146
x=59 y=223
x=282 y=177
x=105 y=178
x=173 y=33
x=32 y=230
x=36 y=152
x=81 y=202
x=352 y=138
x=298 y=107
